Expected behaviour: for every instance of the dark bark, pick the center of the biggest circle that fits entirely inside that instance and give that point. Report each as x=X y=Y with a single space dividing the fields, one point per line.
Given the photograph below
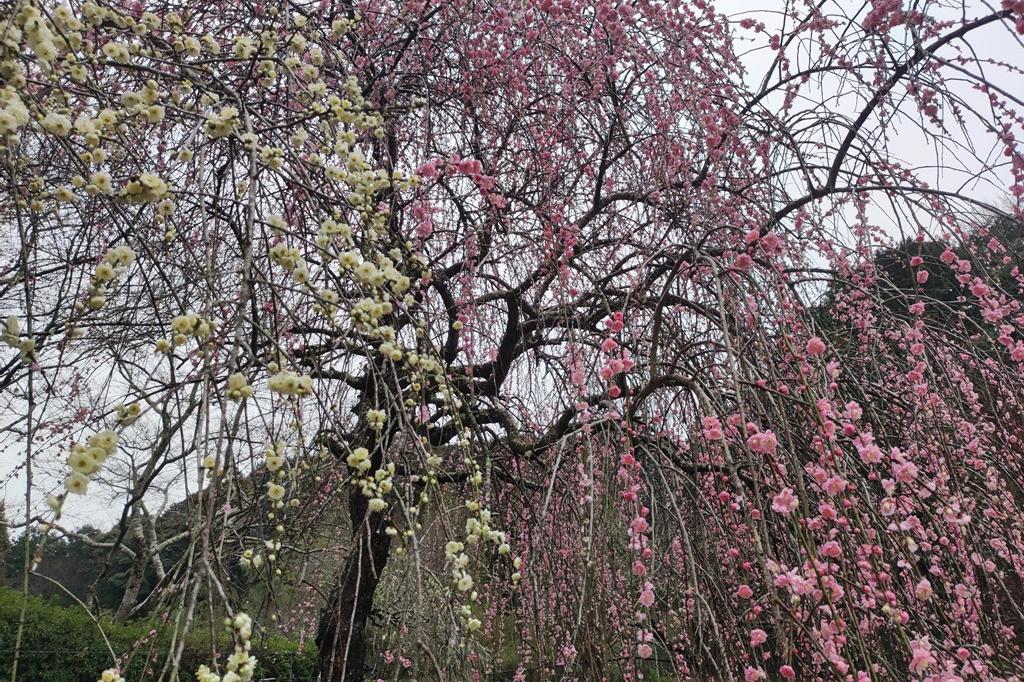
x=342 y=632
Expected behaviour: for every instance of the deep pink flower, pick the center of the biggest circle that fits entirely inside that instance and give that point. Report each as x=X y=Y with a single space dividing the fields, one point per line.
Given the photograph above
x=785 y=502
x=764 y=442
x=647 y=595
x=920 y=656
x=712 y=428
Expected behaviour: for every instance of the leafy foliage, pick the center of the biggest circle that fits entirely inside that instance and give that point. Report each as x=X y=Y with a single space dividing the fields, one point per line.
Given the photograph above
x=65 y=645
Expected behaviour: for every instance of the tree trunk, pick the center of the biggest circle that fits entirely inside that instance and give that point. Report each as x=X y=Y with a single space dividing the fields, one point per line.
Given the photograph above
x=342 y=632
x=136 y=573
x=132 y=588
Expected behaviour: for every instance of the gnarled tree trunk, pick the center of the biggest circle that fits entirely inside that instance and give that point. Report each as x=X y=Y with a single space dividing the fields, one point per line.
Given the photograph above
x=342 y=632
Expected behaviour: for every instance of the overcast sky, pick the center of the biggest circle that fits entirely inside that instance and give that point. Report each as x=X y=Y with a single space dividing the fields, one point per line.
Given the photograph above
x=996 y=42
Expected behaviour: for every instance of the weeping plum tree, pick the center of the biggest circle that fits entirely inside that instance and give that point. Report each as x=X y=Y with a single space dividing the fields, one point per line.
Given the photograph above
x=485 y=334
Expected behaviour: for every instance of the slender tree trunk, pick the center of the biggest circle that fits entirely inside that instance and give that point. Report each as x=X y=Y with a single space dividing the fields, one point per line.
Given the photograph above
x=132 y=588
x=136 y=573
x=342 y=632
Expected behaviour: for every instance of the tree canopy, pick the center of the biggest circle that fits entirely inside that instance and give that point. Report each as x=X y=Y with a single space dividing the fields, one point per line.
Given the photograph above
x=542 y=336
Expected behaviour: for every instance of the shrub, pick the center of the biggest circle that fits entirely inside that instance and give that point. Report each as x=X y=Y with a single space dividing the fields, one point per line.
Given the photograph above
x=65 y=645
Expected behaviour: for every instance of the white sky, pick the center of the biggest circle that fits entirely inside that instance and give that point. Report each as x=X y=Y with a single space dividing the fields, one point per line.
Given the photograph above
x=910 y=145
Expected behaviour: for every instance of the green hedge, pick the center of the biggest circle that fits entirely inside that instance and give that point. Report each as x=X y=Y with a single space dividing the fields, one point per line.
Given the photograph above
x=64 y=645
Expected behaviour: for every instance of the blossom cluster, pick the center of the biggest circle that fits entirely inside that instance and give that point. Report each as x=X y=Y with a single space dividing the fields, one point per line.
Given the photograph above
x=86 y=460
x=114 y=264
x=240 y=665
x=11 y=336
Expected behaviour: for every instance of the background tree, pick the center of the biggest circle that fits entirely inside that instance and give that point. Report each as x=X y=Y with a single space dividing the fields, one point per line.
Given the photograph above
x=5 y=537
